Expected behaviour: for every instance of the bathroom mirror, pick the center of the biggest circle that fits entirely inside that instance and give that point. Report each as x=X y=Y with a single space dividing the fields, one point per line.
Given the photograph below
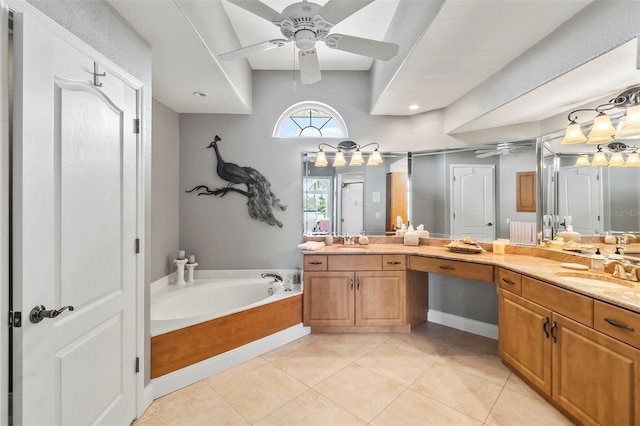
x=591 y=200
x=428 y=193
x=351 y=199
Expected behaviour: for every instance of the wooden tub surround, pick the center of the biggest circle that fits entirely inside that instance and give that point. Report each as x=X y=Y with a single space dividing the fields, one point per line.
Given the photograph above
x=181 y=348
x=577 y=344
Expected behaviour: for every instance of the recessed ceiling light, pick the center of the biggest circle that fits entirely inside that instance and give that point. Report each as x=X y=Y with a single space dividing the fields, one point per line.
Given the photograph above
x=200 y=94
x=414 y=107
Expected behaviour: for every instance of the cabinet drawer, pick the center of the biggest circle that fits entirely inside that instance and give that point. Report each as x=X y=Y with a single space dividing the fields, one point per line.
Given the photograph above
x=617 y=322
x=355 y=262
x=565 y=302
x=394 y=262
x=456 y=268
x=315 y=262
x=509 y=280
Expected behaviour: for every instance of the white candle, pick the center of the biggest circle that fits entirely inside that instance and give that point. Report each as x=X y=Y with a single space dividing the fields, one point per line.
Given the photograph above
x=192 y=258
x=181 y=254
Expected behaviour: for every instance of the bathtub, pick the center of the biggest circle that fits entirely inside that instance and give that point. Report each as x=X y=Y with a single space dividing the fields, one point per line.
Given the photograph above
x=221 y=319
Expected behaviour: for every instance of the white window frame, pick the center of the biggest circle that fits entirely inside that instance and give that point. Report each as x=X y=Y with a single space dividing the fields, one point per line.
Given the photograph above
x=306 y=105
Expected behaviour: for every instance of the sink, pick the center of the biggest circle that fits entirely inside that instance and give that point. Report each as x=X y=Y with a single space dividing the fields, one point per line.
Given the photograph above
x=595 y=280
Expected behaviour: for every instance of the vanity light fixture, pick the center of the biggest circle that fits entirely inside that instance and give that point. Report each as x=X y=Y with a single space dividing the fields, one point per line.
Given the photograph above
x=602 y=130
x=375 y=158
x=616 y=160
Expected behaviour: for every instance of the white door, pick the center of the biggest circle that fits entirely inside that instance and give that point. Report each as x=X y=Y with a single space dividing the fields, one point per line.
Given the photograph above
x=352 y=207
x=74 y=231
x=472 y=202
x=580 y=200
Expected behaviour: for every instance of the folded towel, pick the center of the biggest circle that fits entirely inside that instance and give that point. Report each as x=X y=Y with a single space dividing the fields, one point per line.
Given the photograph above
x=411 y=239
x=311 y=245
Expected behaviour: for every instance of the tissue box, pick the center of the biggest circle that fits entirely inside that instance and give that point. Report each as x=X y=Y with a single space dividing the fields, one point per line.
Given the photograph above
x=423 y=234
x=411 y=239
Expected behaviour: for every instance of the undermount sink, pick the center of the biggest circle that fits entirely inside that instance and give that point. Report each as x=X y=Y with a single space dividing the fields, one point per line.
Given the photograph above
x=351 y=247
x=595 y=280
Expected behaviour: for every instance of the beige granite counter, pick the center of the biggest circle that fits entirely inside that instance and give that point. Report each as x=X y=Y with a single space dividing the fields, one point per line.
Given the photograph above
x=542 y=264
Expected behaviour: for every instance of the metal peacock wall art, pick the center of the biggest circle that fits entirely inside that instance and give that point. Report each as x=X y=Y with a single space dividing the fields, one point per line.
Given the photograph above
x=261 y=199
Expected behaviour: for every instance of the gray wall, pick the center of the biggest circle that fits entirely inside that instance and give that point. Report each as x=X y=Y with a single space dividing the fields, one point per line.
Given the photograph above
x=164 y=190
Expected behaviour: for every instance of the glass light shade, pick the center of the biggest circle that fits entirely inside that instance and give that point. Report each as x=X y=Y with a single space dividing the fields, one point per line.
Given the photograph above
x=633 y=160
x=599 y=159
x=599 y=140
x=574 y=134
x=356 y=159
x=374 y=158
x=602 y=126
x=321 y=160
x=632 y=119
x=628 y=132
x=583 y=161
x=617 y=160
x=339 y=161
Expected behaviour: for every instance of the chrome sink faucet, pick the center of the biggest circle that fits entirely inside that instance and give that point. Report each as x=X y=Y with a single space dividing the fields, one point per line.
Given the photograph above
x=624 y=270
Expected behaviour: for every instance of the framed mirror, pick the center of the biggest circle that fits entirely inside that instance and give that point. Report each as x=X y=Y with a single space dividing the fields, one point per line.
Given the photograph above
x=591 y=200
x=423 y=194
x=350 y=199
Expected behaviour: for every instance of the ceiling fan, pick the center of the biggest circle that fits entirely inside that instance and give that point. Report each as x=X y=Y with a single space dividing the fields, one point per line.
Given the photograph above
x=305 y=23
x=501 y=149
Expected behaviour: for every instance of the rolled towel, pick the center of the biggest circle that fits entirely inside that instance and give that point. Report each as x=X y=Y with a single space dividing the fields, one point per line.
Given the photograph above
x=311 y=245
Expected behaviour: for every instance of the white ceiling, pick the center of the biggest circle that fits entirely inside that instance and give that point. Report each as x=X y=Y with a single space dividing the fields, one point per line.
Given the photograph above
x=464 y=45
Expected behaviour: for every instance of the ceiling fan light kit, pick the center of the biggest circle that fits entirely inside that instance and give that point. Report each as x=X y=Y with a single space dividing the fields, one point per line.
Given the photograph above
x=375 y=158
x=305 y=23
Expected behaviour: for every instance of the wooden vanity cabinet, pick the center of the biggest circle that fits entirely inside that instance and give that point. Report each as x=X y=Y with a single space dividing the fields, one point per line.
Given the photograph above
x=590 y=376
x=362 y=292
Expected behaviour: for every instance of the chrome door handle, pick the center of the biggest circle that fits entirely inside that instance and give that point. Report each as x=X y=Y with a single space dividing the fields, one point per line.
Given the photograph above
x=39 y=312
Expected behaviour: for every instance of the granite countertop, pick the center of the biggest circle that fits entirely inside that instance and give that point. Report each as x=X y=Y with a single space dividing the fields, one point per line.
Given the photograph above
x=542 y=264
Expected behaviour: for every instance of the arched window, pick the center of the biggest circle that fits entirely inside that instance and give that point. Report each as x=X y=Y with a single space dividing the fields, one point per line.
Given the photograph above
x=310 y=120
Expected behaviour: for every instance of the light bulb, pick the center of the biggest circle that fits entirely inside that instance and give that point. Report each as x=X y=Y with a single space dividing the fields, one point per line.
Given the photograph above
x=375 y=158
x=321 y=160
x=356 y=158
x=633 y=160
x=599 y=159
x=574 y=134
x=602 y=126
x=617 y=160
x=583 y=161
x=339 y=161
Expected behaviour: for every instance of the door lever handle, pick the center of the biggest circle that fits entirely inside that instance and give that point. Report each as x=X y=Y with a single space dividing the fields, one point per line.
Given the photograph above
x=39 y=312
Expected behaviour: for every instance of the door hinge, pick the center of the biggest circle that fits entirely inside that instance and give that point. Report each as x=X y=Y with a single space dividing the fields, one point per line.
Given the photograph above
x=137 y=364
x=454 y=215
x=15 y=319
x=137 y=245
x=136 y=126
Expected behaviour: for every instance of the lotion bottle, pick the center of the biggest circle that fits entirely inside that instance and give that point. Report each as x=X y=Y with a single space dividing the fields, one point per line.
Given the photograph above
x=597 y=261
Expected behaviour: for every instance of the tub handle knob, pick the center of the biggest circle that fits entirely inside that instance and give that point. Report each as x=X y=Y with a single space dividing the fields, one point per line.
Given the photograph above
x=39 y=312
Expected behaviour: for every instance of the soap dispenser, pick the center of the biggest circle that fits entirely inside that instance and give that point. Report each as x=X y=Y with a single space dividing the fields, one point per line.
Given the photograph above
x=597 y=261
x=363 y=239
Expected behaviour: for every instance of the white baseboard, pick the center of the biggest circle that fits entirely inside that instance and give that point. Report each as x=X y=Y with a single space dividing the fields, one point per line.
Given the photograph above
x=196 y=372
x=465 y=324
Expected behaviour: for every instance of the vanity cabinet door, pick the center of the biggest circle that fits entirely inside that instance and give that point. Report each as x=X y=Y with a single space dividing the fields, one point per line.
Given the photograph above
x=525 y=339
x=328 y=299
x=595 y=378
x=381 y=298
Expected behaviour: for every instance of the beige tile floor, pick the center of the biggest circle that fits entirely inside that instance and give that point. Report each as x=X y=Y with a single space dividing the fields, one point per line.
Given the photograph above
x=434 y=376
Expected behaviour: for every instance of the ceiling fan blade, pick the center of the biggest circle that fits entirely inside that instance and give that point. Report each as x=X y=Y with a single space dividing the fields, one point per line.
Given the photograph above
x=309 y=66
x=362 y=46
x=254 y=48
x=335 y=11
x=260 y=9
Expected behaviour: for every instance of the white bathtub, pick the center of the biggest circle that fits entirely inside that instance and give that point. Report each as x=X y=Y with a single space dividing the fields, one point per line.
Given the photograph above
x=213 y=294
